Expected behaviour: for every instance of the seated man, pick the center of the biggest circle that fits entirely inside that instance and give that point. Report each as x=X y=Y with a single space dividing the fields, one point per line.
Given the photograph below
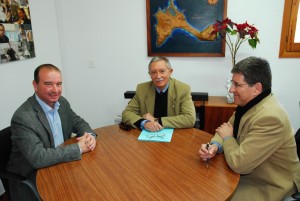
x=258 y=140
x=162 y=102
x=39 y=128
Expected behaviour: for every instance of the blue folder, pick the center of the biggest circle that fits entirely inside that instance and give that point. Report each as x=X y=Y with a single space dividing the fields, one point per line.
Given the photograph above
x=164 y=135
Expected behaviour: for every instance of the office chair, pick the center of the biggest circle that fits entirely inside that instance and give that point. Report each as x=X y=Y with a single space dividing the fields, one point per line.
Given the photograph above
x=5 y=176
x=297 y=138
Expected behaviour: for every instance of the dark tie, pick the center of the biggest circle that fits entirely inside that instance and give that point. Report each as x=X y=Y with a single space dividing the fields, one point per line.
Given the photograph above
x=161 y=93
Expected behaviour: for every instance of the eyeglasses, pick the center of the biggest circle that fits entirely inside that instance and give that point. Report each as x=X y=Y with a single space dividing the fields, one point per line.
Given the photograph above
x=236 y=85
x=160 y=135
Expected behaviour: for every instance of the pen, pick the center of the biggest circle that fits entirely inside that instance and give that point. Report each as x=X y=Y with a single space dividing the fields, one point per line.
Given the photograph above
x=207 y=160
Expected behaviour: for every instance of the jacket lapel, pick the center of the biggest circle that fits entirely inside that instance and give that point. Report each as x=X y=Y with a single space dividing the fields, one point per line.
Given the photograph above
x=150 y=99
x=43 y=119
x=63 y=118
x=171 y=98
x=248 y=115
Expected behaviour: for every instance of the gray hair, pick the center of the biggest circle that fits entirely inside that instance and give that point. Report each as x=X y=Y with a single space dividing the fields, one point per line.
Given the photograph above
x=154 y=59
x=254 y=70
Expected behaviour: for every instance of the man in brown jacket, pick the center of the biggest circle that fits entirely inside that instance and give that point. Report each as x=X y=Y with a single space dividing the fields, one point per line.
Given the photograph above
x=258 y=140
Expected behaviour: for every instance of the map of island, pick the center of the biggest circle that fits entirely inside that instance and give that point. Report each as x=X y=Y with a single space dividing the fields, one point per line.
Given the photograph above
x=170 y=19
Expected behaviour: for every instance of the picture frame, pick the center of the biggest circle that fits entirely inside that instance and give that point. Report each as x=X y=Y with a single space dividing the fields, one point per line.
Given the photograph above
x=182 y=28
x=16 y=35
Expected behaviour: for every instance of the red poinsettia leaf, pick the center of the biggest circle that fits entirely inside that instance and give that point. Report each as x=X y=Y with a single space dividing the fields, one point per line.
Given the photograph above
x=214 y=32
x=224 y=26
x=216 y=28
x=253 y=32
x=241 y=27
x=226 y=21
x=253 y=28
x=242 y=33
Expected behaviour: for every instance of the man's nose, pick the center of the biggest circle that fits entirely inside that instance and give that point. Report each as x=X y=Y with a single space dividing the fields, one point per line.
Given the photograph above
x=232 y=89
x=158 y=74
x=54 y=88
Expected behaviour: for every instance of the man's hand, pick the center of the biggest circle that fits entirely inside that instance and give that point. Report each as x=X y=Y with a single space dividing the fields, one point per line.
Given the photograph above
x=207 y=153
x=87 y=142
x=153 y=126
x=225 y=130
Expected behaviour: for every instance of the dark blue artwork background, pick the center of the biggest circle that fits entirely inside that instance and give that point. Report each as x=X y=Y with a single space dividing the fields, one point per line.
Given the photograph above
x=199 y=14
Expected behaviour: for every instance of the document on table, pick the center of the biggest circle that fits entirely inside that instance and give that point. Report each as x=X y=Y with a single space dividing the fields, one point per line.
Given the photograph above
x=164 y=135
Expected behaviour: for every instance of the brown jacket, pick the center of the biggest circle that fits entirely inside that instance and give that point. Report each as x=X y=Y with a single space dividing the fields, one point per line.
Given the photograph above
x=264 y=153
x=181 y=109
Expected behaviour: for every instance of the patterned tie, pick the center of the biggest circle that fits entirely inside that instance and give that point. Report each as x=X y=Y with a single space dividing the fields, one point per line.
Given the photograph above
x=161 y=93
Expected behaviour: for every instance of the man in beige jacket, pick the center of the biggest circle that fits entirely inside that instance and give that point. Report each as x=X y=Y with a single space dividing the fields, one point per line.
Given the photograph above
x=162 y=102
x=258 y=140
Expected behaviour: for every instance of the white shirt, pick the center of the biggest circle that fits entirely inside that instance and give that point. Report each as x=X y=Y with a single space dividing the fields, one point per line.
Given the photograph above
x=54 y=120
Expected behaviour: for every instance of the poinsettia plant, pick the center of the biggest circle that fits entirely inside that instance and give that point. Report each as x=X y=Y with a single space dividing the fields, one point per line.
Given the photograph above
x=243 y=32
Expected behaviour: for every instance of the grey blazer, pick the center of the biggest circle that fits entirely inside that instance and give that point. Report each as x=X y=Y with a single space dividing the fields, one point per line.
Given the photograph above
x=32 y=141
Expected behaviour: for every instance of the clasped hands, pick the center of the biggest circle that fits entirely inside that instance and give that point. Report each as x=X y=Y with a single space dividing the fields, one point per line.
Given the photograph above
x=151 y=125
x=225 y=130
x=87 y=142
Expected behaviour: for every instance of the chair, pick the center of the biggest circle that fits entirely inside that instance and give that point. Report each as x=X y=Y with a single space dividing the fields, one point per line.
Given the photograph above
x=5 y=176
x=297 y=138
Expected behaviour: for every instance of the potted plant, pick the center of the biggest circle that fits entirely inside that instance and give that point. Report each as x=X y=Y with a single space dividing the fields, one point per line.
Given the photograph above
x=243 y=32
x=227 y=30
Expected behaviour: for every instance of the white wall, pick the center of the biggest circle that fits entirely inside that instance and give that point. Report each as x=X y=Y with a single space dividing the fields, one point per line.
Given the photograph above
x=114 y=34
x=68 y=33
x=16 y=77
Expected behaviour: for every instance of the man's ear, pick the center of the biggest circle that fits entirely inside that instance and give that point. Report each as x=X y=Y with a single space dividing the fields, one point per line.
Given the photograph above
x=258 y=88
x=34 y=84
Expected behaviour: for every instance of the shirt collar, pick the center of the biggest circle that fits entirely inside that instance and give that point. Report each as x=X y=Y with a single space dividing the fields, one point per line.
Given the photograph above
x=46 y=108
x=164 y=90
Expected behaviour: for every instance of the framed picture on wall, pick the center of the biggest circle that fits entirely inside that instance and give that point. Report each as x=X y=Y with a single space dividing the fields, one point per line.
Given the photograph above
x=183 y=27
x=16 y=36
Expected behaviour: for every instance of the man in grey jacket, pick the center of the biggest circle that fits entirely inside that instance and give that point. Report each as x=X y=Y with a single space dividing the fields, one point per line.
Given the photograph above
x=39 y=128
